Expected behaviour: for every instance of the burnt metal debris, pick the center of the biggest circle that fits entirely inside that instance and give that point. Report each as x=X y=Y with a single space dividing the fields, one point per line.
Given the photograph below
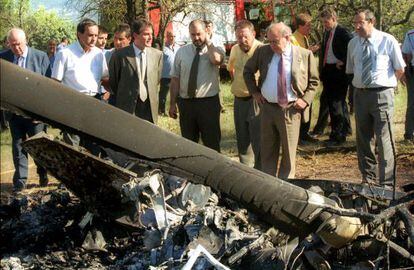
x=185 y=200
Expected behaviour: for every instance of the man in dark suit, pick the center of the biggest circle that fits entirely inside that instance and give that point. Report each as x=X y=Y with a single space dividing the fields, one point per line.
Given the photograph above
x=135 y=72
x=21 y=127
x=287 y=83
x=335 y=82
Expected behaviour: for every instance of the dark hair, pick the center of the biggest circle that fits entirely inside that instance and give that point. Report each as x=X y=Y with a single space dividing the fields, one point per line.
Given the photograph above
x=328 y=13
x=102 y=30
x=302 y=19
x=139 y=24
x=85 y=23
x=369 y=15
x=206 y=22
x=123 y=28
x=244 y=24
x=197 y=21
x=64 y=39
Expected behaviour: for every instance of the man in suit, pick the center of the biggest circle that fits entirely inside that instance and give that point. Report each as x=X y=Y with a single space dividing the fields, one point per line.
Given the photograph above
x=332 y=63
x=21 y=127
x=135 y=72
x=287 y=83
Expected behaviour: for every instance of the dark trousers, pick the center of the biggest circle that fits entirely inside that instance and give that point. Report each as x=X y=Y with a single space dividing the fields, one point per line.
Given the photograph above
x=143 y=110
x=21 y=128
x=164 y=88
x=201 y=117
x=335 y=84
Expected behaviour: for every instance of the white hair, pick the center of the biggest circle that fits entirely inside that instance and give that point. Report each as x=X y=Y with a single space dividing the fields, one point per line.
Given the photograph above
x=15 y=31
x=284 y=29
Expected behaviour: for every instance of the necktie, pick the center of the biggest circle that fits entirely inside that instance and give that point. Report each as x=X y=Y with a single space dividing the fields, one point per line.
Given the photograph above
x=192 y=80
x=366 y=64
x=20 y=61
x=141 y=71
x=281 y=84
x=328 y=44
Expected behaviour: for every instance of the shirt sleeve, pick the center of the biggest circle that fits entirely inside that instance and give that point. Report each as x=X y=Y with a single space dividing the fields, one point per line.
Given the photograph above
x=105 y=72
x=349 y=58
x=175 y=68
x=58 y=66
x=232 y=58
x=406 y=45
x=397 y=59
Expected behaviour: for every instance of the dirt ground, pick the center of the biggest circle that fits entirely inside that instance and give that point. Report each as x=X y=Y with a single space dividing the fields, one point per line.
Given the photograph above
x=313 y=162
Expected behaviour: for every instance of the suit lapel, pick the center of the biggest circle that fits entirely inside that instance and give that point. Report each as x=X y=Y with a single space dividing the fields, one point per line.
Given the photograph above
x=29 y=59
x=130 y=56
x=296 y=61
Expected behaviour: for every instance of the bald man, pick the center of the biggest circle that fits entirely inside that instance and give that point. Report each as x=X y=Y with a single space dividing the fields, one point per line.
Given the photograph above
x=287 y=83
x=20 y=127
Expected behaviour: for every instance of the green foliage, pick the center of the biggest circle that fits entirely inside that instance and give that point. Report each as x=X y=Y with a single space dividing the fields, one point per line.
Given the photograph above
x=40 y=25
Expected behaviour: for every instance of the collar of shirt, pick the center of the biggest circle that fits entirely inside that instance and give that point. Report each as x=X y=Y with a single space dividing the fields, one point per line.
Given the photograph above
x=288 y=51
x=203 y=48
x=24 y=55
x=374 y=36
x=137 y=50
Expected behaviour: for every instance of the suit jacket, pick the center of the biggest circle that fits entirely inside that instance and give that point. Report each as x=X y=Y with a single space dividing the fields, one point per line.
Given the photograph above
x=36 y=61
x=305 y=78
x=340 y=42
x=124 y=80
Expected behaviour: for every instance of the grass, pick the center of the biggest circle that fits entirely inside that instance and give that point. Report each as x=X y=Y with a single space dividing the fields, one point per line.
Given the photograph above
x=228 y=142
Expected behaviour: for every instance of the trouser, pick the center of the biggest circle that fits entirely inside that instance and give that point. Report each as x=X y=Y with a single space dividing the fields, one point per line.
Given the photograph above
x=335 y=83
x=279 y=128
x=374 y=111
x=247 y=124
x=201 y=117
x=164 y=88
x=409 y=116
x=21 y=128
x=4 y=124
x=323 y=114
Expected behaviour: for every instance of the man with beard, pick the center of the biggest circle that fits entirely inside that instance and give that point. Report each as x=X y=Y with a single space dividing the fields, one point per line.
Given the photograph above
x=246 y=110
x=195 y=82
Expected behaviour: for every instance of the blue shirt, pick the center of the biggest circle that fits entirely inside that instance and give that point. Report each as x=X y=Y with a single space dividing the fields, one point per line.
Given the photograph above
x=386 y=58
x=168 y=59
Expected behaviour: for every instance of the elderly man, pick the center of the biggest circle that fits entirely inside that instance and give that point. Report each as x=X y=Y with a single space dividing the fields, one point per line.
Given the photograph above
x=169 y=51
x=195 y=79
x=21 y=127
x=246 y=110
x=287 y=83
x=134 y=74
x=301 y=38
x=82 y=67
x=408 y=53
x=375 y=60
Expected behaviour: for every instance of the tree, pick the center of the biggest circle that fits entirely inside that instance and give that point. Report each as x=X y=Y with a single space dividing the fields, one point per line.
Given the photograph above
x=39 y=25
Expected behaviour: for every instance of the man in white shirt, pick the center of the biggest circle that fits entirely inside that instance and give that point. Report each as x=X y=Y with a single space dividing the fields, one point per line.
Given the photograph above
x=82 y=66
x=408 y=53
x=375 y=60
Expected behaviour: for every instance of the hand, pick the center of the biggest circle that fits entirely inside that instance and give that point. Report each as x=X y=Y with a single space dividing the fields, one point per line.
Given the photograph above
x=339 y=64
x=172 y=112
x=259 y=98
x=314 y=48
x=300 y=104
x=106 y=95
x=403 y=79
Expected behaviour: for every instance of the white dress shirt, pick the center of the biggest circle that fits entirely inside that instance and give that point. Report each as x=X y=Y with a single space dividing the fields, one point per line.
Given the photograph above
x=79 y=70
x=386 y=58
x=269 y=87
x=330 y=57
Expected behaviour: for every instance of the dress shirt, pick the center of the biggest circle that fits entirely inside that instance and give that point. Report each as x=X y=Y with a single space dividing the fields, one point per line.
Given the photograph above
x=80 y=70
x=208 y=74
x=385 y=55
x=330 y=58
x=139 y=54
x=24 y=56
x=237 y=61
x=408 y=45
x=168 y=52
x=269 y=87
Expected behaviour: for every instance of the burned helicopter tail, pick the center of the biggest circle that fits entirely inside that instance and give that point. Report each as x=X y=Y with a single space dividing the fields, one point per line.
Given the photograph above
x=291 y=209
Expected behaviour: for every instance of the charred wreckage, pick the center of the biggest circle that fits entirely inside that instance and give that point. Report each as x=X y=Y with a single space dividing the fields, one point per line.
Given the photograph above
x=154 y=200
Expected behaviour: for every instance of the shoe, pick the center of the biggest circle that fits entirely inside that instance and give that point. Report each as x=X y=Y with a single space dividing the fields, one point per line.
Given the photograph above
x=333 y=143
x=316 y=134
x=309 y=138
x=43 y=180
